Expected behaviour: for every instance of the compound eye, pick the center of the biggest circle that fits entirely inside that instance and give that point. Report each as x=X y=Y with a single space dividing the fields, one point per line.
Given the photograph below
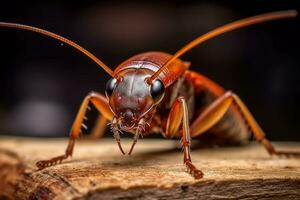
x=157 y=90
x=110 y=86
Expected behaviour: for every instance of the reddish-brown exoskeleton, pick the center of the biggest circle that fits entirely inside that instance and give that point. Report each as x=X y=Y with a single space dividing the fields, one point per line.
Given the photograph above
x=156 y=92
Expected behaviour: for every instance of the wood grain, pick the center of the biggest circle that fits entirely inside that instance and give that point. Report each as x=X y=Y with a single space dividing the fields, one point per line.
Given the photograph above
x=154 y=171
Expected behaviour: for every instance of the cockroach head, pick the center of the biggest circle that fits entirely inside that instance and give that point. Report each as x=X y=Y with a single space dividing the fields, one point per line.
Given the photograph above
x=131 y=98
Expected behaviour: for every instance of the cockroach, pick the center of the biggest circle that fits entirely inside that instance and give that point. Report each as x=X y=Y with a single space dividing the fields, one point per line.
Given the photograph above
x=155 y=92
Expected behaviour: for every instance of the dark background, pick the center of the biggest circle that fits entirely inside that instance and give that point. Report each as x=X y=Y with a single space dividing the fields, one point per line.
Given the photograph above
x=42 y=82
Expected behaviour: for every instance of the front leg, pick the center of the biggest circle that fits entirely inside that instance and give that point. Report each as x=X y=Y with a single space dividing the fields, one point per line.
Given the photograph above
x=177 y=116
x=100 y=102
x=99 y=128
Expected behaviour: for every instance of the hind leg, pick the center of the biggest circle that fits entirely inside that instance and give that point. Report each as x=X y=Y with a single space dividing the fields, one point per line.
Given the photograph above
x=215 y=111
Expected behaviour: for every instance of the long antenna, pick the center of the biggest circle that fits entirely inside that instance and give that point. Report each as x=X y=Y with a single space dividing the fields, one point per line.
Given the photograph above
x=223 y=29
x=60 y=38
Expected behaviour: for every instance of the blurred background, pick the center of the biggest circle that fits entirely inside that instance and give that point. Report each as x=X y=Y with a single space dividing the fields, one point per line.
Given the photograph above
x=42 y=82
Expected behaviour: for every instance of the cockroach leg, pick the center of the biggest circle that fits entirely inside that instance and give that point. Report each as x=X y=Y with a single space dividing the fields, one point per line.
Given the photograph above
x=58 y=159
x=177 y=116
x=100 y=127
x=100 y=102
x=272 y=151
x=213 y=113
x=258 y=132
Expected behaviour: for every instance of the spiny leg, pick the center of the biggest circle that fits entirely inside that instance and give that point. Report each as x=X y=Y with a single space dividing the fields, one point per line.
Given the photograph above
x=100 y=102
x=258 y=132
x=177 y=116
x=214 y=112
x=99 y=129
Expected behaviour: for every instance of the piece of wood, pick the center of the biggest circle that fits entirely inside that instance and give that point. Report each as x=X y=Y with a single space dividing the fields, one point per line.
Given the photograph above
x=154 y=171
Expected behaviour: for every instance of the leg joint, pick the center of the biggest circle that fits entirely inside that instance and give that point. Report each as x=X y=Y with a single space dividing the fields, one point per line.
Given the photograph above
x=91 y=94
x=185 y=143
x=180 y=99
x=229 y=94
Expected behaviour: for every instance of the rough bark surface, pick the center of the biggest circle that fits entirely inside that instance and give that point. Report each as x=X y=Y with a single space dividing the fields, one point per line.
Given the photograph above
x=154 y=171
